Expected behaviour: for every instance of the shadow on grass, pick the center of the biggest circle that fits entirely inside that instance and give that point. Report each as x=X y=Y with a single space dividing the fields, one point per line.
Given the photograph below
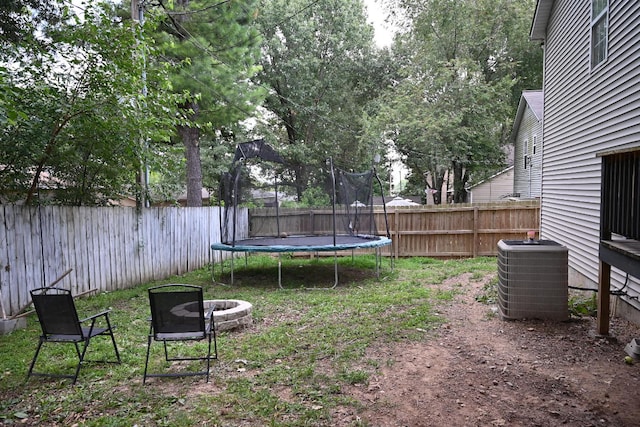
x=299 y=272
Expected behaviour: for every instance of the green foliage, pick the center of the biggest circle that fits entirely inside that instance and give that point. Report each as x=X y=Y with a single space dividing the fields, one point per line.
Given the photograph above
x=303 y=343
x=23 y=21
x=581 y=305
x=216 y=48
x=452 y=107
x=319 y=65
x=489 y=293
x=83 y=113
x=315 y=197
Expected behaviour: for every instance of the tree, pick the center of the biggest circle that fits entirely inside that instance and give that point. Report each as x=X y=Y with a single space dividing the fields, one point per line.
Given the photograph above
x=452 y=109
x=318 y=63
x=20 y=19
x=83 y=112
x=215 y=47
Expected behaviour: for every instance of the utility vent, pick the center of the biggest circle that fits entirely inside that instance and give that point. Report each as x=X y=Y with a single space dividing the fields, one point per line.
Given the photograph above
x=532 y=280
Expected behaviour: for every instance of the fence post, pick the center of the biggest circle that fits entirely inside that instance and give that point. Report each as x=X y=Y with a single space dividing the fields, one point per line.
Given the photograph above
x=476 y=244
x=396 y=226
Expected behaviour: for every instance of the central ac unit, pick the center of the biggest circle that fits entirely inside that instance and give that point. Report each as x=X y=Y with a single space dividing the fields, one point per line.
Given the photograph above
x=533 y=279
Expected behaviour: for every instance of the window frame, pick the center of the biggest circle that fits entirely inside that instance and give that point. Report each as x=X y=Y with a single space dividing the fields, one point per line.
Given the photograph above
x=599 y=34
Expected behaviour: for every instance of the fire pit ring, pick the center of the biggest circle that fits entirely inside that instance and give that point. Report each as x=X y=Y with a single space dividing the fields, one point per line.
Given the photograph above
x=230 y=313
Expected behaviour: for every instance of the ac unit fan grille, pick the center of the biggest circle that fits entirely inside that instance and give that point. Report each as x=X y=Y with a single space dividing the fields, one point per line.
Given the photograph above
x=532 y=280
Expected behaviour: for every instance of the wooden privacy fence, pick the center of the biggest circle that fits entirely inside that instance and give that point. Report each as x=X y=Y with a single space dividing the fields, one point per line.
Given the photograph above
x=107 y=248
x=445 y=231
x=461 y=230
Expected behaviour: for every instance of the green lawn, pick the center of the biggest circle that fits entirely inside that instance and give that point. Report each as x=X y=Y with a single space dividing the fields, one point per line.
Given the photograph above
x=287 y=369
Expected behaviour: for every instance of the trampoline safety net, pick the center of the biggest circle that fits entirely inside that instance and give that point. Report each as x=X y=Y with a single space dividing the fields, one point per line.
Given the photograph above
x=351 y=210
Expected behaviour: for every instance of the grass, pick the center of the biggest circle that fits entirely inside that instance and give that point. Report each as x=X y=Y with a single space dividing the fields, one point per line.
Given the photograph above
x=287 y=369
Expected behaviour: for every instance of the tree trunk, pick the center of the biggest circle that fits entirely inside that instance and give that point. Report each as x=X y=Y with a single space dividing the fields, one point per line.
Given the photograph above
x=191 y=140
x=438 y=183
x=460 y=178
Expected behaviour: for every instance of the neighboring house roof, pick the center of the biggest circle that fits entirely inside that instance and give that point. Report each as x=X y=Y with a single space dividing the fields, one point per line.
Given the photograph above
x=401 y=201
x=534 y=99
x=540 y=20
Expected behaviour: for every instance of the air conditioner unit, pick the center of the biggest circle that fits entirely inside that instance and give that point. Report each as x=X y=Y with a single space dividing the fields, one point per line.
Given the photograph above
x=533 y=279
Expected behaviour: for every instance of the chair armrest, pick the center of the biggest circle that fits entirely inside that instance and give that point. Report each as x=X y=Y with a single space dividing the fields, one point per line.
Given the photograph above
x=209 y=313
x=102 y=313
x=208 y=316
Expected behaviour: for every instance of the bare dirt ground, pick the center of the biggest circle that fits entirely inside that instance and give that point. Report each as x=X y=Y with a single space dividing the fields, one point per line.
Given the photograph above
x=479 y=370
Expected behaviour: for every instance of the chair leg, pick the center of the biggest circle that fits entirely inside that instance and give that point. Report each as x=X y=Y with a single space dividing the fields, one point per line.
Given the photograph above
x=73 y=377
x=78 y=351
x=115 y=347
x=215 y=344
x=113 y=339
x=209 y=358
x=84 y=351
x=146 y=363
x=33 y=362
x=166 y=352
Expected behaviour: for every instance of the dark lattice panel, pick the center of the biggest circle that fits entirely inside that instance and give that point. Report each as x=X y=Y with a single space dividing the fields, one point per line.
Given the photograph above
x=620 y=209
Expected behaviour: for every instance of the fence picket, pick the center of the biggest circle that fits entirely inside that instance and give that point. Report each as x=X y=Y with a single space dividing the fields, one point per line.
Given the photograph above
x=5 y=290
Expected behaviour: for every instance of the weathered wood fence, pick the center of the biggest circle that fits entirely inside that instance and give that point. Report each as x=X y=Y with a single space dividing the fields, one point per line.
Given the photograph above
x=444 y=231
x=106 y=248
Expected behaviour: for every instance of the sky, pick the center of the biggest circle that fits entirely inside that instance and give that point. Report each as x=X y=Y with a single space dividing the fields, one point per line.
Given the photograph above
x=383 y=36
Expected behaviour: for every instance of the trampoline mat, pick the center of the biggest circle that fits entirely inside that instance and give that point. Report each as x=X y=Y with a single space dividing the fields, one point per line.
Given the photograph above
x=303 y=243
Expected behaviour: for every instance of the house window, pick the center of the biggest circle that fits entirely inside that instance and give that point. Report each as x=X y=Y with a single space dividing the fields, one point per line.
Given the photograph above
x=599 y=28
x=535 y=143
x=525 y=155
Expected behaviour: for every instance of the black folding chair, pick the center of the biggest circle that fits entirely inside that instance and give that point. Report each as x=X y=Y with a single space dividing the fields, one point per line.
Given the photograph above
x=177 y=314
x=59 y=321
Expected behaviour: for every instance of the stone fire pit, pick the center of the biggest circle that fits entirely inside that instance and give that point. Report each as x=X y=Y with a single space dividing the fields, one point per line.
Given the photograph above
x=230 y=313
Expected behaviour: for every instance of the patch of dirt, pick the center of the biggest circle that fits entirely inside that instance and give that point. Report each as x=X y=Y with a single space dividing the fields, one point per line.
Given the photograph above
x=480 y=370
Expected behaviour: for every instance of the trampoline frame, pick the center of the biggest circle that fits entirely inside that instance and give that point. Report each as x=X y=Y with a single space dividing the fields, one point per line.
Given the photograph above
x=245 y=246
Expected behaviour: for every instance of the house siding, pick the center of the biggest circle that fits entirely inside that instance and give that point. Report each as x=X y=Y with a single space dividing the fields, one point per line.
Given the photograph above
x=586 y=112
x=528 y=181
x=494 y=189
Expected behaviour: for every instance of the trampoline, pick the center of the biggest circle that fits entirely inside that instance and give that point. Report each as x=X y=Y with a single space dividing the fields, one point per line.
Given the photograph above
x=303 y=244
x=352 y=225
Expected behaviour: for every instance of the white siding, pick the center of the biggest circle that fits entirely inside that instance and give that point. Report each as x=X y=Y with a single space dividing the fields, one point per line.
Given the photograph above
x=494 y=189
x=586 y=112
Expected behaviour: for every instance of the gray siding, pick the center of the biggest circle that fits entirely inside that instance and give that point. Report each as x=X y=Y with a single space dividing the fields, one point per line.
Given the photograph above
x=586 y=112
x=528 y=181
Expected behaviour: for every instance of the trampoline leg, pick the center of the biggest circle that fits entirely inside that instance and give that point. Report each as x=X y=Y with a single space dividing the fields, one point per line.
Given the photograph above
x=213 y=265
x=280 y=271
x=232 y=268
x=335 y=269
